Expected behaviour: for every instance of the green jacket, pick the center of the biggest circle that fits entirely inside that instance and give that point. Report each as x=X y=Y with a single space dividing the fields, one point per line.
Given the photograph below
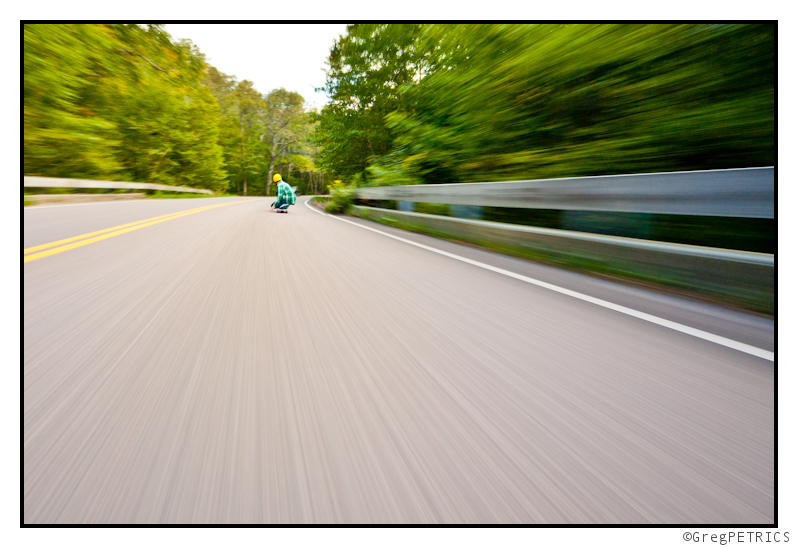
x=285 y=194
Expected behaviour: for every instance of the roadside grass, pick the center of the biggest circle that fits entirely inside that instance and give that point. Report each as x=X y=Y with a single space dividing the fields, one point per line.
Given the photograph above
x=69 y=190
x=156 y=194
x=169 y=195
x=148 y=194
x=323 y=202
x=52 y=190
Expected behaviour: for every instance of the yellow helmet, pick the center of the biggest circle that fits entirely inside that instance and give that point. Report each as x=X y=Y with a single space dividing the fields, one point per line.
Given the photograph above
x=277 y=177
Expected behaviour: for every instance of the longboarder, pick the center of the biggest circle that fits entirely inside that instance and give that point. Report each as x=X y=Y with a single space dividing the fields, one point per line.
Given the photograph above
x=285 y=195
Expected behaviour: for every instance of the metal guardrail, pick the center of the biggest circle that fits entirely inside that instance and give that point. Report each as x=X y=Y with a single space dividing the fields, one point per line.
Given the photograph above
x=53 y=182
x=747 y=192
x=517 y=233
x=737 y=277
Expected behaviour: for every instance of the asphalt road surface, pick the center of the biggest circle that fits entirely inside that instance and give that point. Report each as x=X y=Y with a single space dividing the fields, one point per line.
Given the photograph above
x=234 y=365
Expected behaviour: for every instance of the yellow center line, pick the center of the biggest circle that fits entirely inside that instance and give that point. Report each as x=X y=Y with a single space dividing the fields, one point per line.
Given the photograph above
x=103 y=231
x=111 y=232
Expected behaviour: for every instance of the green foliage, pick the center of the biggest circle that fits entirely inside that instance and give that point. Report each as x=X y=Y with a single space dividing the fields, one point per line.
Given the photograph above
x=262 y=134
x=342 y=197
x=463 y=103
x=368 y=68
x=118 y=102
x=170 y=195
x=387 y=172
x=286 y=128
x=62 y=137
x=432 y=209
x=52 y=190
x=321 y=201
x=127 y=103
x=542 y=101
x=239 y=131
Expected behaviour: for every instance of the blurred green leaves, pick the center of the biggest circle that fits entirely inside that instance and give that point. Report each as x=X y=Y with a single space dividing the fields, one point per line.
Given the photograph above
x=409 y=104
x=368 y=68
x=461 y=103
x=118 y=102
x=126 y=102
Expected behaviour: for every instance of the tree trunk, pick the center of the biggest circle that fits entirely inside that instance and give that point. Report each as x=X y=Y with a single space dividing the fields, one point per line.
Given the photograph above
x=271 y=172
x=241 y=140
x=272 y=155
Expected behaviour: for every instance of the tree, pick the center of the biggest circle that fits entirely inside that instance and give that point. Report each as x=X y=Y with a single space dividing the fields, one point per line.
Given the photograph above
x=528 y=101
x=64 y=137
x=284 y=124
x=248 y=102
x=119 y=102
x=169 y=119
x=461 y=103
x=223 y=88
x=369 y=69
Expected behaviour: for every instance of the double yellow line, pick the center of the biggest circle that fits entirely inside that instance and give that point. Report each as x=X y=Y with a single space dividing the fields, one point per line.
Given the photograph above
x=45 y=250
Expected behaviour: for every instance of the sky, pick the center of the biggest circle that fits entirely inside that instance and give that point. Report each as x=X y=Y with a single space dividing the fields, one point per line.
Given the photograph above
x=271 y=56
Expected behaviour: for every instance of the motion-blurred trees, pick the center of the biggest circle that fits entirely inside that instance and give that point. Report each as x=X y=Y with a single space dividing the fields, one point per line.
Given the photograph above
x=119 y=102
x=503 y=102
x=367 y=71
x=247 y=102
x=63 y=137
x=126 y=102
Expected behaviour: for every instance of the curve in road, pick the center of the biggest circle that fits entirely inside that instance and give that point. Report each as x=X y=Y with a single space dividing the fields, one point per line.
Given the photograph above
x=240 y=366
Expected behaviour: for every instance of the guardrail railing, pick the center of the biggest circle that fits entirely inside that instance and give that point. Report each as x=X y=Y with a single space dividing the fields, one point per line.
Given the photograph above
x=54 y=182
x=747 y=192
x=740 y=278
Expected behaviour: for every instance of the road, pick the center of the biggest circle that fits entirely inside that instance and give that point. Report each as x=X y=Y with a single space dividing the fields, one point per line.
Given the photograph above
x=233 y=365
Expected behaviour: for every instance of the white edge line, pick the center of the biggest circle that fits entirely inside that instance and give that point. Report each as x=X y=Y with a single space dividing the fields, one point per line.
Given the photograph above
x=316 y=209
x=717 y=339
